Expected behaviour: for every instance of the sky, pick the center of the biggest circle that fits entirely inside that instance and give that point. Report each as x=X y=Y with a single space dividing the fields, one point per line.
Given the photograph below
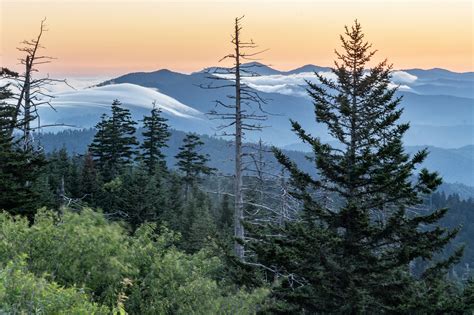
x=107 y=37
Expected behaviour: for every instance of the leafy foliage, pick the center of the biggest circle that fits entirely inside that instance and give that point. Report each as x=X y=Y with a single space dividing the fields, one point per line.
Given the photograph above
x=21 y=292
x=145 y=272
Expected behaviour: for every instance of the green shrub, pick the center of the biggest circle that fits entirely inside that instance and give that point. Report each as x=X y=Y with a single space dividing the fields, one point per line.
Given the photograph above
x=142 y=273
x=21 y=292
x=75 y=250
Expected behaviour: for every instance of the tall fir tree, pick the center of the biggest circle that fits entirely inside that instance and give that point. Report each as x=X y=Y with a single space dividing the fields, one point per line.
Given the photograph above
x=18 y=168
x=89 y=179
x=74 y=177
x=190 y=162
x=155 y=137
x=114 y=144
x=174 y=209
x=225 y=222
x=198 y=224
x=139 y=199
x=353 y=255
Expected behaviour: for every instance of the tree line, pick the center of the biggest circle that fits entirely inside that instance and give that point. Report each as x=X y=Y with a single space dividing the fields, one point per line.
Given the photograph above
x=358 y=238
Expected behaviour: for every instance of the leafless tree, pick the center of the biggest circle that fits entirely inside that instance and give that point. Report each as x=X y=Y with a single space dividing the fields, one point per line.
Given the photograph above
x=274 y=203
x=33 y=92
x=242 y=113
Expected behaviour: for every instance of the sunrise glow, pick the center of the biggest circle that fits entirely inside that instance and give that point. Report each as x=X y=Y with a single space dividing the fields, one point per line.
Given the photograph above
x=94 y=37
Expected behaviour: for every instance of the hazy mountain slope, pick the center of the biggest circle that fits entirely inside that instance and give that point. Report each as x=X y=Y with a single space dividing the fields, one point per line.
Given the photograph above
x=455 y=165
x=439 y=120
x=83 y=108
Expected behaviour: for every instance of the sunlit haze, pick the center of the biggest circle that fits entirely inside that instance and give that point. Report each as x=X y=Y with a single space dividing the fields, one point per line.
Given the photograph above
x=109 y=38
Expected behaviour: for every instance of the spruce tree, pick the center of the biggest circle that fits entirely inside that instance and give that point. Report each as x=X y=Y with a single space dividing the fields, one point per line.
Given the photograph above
x=140 y=201
x=225 y=222
x=353 y=255
x=155 y=137
x=18 y=168
x=114 y=144
x=226 y=213
x=197 y=222
x=190 y=162
x=174 y=209
x=74 y=177
x=89 y=179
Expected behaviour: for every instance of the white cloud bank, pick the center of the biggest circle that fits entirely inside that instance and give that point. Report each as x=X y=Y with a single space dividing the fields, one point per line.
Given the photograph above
x=295 y=84
x=400 y=77
x=126 y=93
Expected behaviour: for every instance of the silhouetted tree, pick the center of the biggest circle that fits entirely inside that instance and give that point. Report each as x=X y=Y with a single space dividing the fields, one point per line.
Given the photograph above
x=155 y=136
x=190 y=162
x=353 y=255
x=243 y=114
x=114 y=144
x=18 y=168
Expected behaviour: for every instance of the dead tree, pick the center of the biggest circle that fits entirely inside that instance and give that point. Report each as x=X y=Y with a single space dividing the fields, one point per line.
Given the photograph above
x=32 y=92
x=275 y=204
x=243 y=113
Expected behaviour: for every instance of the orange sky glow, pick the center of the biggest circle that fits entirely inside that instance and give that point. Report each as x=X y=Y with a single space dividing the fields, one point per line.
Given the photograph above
x=114 y=37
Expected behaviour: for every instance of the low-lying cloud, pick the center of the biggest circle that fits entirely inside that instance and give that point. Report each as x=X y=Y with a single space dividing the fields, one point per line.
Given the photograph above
x=400 y=77
x=295 y=84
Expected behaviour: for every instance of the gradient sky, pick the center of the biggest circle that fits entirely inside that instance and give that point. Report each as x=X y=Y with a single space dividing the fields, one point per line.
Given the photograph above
x=110 y=37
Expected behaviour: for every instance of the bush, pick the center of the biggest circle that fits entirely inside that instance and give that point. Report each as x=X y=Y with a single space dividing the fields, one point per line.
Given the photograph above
x=21 y=292
x=173 y=282
x=143 y=273
x=75 y=250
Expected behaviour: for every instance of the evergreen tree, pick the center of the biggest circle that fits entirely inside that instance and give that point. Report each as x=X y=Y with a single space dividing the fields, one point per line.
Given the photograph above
x=141 y=201
x=173 y=212
x=155 y=136
x=58 y=169
x=198 y=224
x=74 y=177
x=225 y=222
x=190 y=162
x=18 y=168
x=114 y=144
x=226 y=213
x=89 y=181
x=353 y=256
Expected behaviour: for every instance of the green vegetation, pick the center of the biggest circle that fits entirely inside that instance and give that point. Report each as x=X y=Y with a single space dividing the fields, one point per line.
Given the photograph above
x=117 y=231
x=354 y=246
x=21 y=292
x=82 y=260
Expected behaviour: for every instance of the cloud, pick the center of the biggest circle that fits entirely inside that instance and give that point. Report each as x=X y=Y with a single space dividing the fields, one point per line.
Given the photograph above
x=129 y=94
x=292 y=84
x=295 y=84
x=400 y=77
x=76 y=83
x=400 y=87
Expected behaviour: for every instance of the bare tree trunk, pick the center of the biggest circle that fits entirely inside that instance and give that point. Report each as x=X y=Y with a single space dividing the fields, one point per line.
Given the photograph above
x=240 y=120
x=33 y=91
x=27 y=106
x=239 y=232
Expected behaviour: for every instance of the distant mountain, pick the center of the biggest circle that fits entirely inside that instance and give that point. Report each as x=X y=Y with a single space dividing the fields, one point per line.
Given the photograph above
x=443 y=82
x=307 y=68
x=438 y=73
x=445 y=120
x=83 y=108
x=456 y=166
x=441 y=120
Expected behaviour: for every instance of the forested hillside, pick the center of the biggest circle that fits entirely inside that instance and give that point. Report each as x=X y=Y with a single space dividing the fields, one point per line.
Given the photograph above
x=455 y=165
x=132 y=217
